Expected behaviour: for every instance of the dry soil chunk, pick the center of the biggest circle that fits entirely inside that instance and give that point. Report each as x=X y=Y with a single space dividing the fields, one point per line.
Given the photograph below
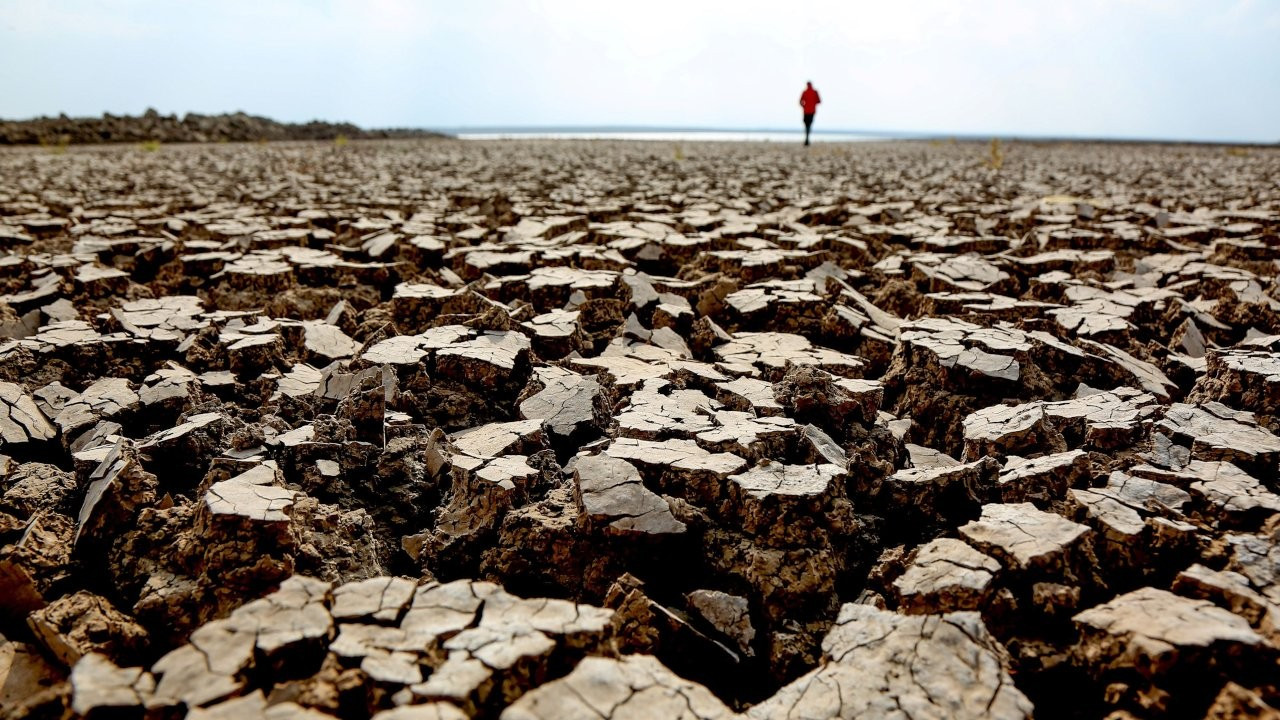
x=97 y=685
x=25 y=675
x=104 y=399
x=1145 y=494
x=567 y=405
x=772 y=353
x=654 y=414
x=487 y=360
x=118 y=487
x=636 y=686
x=1150 y=378
x=33 y=487
x=326 y=343
x=1150 y=630
x=254 y=707
x=678 y=454
x=1043 y=479
x=1216 y=432
x=931 y=489
x=1112 y=410
x=773 y=479
x=496 y=439
x=747 y=393
x=20 y=419
x=1232 y=591
x=747 y=435
x=1257 y=557
x=411 y=349
x=168 y=387
x=250 y=354
x=1230 y=490
x=379 y=598
x=987 y=353
x=428 y=711
x=250 y=496
x=1009 y=429
x=882 y=664
x=176 y=436
x=81 y=623
x=1246 y=378
x=946 y=575
x=1022 y=536
x=729 y=614
x=444 y=609
x=611 y=492
x=969 y=272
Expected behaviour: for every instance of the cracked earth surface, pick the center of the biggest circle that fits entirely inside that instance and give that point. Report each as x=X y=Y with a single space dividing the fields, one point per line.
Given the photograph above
x=437 y=429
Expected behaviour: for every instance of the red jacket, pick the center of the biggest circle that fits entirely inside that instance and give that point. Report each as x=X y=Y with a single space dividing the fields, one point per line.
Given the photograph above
x=809 y=100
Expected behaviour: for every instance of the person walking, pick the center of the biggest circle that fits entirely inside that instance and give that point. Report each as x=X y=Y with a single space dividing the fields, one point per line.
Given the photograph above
x=809 y=104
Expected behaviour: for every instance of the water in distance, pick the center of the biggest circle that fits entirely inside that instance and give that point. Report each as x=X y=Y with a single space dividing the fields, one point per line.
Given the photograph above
x=783 y=136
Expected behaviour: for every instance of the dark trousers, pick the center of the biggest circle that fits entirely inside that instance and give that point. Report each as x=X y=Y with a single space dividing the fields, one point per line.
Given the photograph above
x=808 y=123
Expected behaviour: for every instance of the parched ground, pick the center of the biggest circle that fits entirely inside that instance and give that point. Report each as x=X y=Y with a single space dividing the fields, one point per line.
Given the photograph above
x=445 y=429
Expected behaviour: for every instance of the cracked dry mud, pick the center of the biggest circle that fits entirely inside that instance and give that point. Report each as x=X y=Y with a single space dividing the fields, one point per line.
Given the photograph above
x=544 y=430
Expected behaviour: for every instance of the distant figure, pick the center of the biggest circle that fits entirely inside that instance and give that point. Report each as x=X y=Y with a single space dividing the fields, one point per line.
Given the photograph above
x=809 y=103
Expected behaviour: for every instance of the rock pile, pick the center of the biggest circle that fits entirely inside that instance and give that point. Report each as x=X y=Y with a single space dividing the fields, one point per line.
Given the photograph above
x=576 y=430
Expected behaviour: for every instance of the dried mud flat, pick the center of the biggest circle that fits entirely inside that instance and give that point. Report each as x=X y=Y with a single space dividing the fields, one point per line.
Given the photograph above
x=602 y=430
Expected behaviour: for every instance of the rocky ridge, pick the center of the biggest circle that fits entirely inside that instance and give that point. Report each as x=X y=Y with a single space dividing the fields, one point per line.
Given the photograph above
x=152 y=127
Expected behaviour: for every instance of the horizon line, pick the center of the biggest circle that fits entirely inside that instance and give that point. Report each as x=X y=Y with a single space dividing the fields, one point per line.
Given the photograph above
x=881 y=134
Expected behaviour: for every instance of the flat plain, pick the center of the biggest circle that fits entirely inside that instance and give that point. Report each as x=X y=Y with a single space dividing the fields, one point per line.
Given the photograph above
x=522 y=429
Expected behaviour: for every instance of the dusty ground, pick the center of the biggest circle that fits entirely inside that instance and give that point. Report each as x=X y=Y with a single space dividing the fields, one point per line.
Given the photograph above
x=607 y=430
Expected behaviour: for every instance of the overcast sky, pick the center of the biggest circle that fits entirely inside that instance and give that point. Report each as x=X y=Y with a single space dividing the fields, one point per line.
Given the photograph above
x=1178 y=69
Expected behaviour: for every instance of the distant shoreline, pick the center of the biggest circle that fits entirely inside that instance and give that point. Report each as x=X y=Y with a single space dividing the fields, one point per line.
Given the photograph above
x=672 y=136
x=639 y=132
x=152 y=127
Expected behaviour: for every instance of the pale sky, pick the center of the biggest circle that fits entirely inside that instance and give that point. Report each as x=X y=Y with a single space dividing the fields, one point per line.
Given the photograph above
x=1171 y=69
